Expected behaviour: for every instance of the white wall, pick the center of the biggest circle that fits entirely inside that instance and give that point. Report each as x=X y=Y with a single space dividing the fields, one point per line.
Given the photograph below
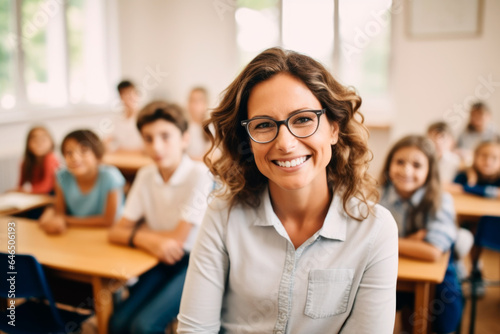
x=433 y=77
x=192 y=42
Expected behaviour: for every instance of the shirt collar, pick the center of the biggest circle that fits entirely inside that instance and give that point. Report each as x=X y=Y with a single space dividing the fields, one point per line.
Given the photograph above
x=393 y=197
x=180 y=174
x=334 y=226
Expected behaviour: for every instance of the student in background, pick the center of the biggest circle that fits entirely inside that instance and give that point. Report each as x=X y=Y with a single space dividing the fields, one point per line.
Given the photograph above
x=125 y=137
x=171 y=197
x=411 y=190
x=294 y=243
x=482 y=179
x=39 y=164
x=480 y=128
x=198 y=112
x=87 y=192
x=448 y=161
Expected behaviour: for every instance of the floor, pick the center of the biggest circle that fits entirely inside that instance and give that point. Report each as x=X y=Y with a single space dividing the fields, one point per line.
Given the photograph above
x=488 y=308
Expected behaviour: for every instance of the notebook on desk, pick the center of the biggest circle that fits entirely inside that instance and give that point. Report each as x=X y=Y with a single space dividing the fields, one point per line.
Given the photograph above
x=15 y=201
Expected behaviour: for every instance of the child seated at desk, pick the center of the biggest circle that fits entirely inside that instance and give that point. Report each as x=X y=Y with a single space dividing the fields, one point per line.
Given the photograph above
x=171 y=196
x=198 y=113
x=39 y=164
x=411 y=190
x=482 y=179
x=88 y=193
x=125 y=137
x=479 y=129
x=448 y=161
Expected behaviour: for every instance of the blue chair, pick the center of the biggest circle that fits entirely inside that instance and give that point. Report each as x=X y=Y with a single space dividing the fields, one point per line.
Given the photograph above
x=487 y=236
x=39 y=313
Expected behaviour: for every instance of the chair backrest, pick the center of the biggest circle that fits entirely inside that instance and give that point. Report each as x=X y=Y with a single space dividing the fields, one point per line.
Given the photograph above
x=488 y=233
x=27 y=280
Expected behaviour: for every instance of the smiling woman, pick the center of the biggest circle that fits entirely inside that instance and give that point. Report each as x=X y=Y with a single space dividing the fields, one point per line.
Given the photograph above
x=295 y=204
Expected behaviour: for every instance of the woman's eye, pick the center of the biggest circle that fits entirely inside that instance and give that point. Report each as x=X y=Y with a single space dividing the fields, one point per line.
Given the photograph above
x=302 y=120
x=264 y=125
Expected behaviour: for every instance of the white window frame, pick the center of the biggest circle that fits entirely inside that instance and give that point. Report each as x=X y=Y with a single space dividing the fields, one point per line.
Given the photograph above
x=24 y=110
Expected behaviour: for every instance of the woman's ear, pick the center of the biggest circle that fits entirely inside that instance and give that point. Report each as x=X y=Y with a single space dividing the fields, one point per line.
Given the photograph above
x=335 y=133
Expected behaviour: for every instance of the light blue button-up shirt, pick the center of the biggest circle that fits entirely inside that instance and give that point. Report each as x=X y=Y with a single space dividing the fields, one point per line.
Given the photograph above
x=245 y=275
x=441 y=227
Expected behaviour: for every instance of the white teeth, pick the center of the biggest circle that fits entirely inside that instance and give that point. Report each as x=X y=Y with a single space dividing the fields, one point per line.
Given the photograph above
x=291 y=163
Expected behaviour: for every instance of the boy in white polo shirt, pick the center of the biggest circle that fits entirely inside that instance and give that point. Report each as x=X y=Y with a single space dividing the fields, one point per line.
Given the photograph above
x=171 y=197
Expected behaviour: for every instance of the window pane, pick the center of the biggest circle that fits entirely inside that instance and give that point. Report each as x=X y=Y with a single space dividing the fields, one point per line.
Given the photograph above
x=257 y=24
x=7 y=53
x=87 y=51
x=43 y=45
x=308 y=28
x=365 y=45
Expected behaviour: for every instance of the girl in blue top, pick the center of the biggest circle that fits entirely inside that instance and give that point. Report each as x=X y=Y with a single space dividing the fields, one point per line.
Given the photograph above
x=482 y=179
x=426 y=220
x=87 y=193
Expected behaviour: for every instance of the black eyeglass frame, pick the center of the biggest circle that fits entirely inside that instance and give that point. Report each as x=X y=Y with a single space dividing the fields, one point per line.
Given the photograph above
x=285 y=121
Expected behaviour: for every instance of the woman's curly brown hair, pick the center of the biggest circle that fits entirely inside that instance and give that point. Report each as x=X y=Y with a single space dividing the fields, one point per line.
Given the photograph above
x=234 y=166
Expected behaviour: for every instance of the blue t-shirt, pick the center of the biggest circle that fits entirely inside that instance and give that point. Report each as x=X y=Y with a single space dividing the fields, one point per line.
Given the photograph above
x=92 y=203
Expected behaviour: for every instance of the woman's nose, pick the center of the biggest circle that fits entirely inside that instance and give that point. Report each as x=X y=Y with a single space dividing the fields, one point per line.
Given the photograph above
x=285 y=141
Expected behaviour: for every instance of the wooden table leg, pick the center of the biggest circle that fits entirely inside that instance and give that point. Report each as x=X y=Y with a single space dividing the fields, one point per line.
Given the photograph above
x=103 y=302
x=421 y=319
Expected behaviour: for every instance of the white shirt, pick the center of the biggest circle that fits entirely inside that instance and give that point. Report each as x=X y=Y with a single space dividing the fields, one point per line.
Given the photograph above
x=163 y=205
x=245 y=275
x=126 y=136
x=198 y=144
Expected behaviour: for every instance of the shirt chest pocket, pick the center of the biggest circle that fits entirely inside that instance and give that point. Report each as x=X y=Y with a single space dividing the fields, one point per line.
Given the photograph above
x=328 y=292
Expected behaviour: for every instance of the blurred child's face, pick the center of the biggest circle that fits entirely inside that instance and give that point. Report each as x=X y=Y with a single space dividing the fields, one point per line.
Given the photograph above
x=39 y=143
x=130 y=98
x=80 y=160
x=164 y=143
x=487 y=160
x=197 y=106
x=479 y=119
x=442 y=141
x=408 y=170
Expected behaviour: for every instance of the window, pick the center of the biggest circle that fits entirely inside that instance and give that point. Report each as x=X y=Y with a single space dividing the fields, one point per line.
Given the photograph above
x=52 y=54
x=350 y=37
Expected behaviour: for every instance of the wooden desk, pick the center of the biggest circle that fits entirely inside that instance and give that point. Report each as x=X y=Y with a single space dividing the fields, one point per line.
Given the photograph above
x=13 y=203
x=82 y=254
x=127 y=163
x=477 y=206
x=420 y=277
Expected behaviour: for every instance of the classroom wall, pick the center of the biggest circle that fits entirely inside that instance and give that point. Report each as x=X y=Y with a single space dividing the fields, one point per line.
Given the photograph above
x=435 y=79
x=185 y=43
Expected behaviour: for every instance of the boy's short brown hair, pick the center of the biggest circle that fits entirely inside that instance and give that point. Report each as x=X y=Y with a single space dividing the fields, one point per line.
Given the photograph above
x=85 y=138
x=440 y=128
x=169 y=112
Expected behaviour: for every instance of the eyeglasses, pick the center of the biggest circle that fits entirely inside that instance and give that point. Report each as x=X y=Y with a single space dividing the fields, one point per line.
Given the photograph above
x=301 y=124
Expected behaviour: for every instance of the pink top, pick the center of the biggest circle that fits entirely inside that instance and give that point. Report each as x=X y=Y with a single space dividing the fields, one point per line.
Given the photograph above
x=43 y=183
